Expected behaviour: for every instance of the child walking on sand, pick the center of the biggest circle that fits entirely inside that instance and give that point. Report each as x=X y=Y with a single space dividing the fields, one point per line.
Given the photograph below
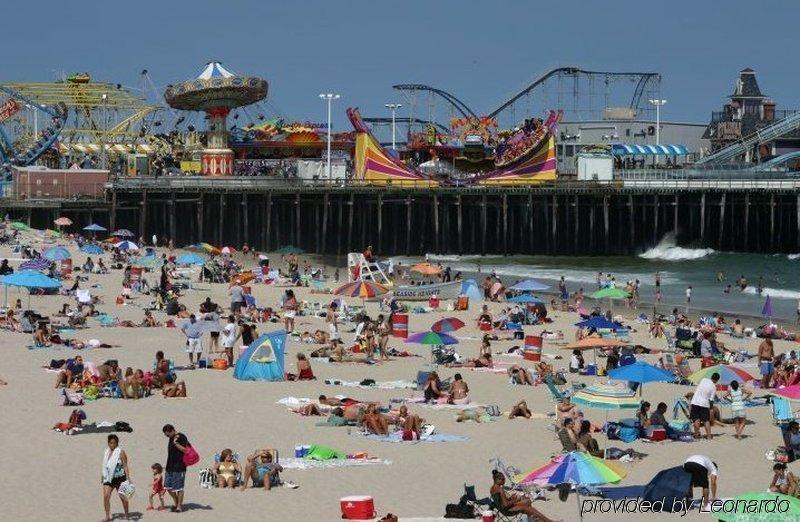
x=157 y=489
x=737 y=396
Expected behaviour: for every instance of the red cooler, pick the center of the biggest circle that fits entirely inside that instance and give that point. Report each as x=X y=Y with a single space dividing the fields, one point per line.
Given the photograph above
x=358 y=507
x=66 y=268
x=533 y=348
x=400 y=325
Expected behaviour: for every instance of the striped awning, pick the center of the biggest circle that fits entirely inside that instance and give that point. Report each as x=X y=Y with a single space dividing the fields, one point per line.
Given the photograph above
x=93 y=148
x=622 y=149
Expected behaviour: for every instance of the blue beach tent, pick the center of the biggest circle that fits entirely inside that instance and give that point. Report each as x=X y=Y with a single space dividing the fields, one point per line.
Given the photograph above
x=471 y=289
x=263 y=359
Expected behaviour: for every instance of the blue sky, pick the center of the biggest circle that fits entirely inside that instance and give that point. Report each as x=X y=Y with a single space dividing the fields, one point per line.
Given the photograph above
x=480 y=51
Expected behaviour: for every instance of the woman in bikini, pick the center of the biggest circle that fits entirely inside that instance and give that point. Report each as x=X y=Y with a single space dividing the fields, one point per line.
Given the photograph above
x=171 y=388
x=374 y=422
x=459 y=391
x=432 y=390
x=384 y=329
x=512 y=502
x=226 y=469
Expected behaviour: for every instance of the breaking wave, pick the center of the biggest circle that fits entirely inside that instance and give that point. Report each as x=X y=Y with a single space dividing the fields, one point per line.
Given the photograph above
x=668 y=250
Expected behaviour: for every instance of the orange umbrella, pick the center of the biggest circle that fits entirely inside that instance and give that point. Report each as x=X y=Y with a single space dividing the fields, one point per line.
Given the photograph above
x=425 y=269
x=594 y=341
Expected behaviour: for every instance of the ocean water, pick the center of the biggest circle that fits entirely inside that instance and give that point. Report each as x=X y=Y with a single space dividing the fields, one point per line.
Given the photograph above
x=679 y=267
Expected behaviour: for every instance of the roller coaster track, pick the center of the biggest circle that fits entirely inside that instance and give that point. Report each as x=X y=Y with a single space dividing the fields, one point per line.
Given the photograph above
x=385 y=121
x=42 y=144
x=763 y=135
x=644 y=79
x=452 y=100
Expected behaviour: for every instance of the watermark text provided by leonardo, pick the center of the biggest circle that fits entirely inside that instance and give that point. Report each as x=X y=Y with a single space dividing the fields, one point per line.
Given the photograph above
x=771 y=509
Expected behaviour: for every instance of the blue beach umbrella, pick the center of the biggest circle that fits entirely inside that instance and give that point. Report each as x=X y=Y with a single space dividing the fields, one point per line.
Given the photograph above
x=190 y=259
x=35 y=264
x=525 y=298
x=127 y=245
x=529 y=285
x=641 y=372
x=91 y=249
x=29 y=279
x=599 y=323
x=56 y=254
x=95 y=228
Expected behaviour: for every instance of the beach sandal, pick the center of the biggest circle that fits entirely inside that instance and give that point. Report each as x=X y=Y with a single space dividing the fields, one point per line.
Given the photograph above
x=290 y=485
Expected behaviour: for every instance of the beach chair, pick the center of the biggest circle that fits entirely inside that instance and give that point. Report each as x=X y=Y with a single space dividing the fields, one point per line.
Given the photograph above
x=623 y=334
x=470 y=498
x=681 y=371
x=670 y=341
x=781 y=411
x=556 y=393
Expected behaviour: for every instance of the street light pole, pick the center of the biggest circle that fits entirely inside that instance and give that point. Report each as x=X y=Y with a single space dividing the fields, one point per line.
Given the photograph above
x=329 y=97
x=658 y=104
x=393 y=107
x=104 y=157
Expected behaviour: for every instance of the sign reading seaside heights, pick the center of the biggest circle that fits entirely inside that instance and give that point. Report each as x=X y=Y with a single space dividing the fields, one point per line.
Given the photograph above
x=8 y=109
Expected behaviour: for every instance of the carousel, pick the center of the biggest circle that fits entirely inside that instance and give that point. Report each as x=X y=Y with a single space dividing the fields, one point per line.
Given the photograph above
x=216 y=91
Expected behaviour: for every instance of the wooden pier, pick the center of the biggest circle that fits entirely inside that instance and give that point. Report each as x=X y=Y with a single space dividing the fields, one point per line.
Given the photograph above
x=561 y=219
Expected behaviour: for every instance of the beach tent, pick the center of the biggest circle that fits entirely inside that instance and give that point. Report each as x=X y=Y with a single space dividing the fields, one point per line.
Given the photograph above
x=669 y=485
x=263 y=359
x=470 y=288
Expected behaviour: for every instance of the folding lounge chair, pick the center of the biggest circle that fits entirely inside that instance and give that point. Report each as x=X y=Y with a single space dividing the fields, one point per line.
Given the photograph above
x=470 y=498
x=555 y=392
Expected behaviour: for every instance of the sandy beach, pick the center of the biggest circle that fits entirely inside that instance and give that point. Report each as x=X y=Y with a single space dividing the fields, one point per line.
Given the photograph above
x=58 y=477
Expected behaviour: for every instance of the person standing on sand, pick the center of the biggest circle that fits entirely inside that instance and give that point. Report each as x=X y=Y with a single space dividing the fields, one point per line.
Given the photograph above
x=330 y=319
x=175 y=470
x=702 y=400
x=115 y=472
x=766 y=357
x=193 y=331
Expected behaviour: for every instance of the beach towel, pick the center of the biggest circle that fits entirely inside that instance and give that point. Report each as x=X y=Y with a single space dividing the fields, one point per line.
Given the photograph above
x=303 y=463
x=398 y=437
x=110 y=461
x=383 y=385
x=323 y=453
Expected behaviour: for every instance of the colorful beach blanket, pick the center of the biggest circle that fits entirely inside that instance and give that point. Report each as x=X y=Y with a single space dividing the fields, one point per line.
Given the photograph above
x=398 y=437
x=299 y=463
x=383 y=385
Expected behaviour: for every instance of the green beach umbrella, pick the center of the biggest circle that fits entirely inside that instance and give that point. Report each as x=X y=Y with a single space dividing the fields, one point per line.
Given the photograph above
x=610 y=293
x=759 y=505
x=19 y=225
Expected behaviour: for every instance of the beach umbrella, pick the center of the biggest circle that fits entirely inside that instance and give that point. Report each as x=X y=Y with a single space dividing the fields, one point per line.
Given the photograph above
x=148 y=261
x=607 y=396
x=767 y=310
x=227 y=250
x=49 y=232
x=95 y=228
x=123 y=232
x=641 y=372
x=431 y=338
x=205 y=247
x=450 y=324
x=35 y=264
x=19 y=225
x=767 y=505
x=529 y=285
x=610 y=293
x=126 y=245
x=791 y=393
x=63 y=222
x=91 y=249
x=575 y=467
x=56 y=254
x=29 y=279
x=525 y=298
x=290 y=249
x=599 y=323
x=190 y=259
x=426 y=269
x=362 y=289
x=727 y=374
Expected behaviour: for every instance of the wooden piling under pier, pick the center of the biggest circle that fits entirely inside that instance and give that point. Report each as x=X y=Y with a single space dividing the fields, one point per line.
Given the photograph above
x=551 y=220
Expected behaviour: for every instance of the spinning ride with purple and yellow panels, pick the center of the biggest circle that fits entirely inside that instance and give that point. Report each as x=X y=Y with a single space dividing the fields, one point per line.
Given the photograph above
x=216 y=91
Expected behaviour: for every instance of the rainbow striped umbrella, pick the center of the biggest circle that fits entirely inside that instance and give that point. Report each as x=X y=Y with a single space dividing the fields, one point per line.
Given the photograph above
x=432 y=338
x=727 y=374
x=607 y=396
x=450 y=324
x=362 y=289
x=574 y=468
x=788 y=392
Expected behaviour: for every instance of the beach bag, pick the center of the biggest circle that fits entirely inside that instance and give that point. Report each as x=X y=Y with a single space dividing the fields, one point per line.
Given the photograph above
x=71 y=398
x=628 y=434
x=91 y=393
x=493 y=410
x=612 y=430
x=126 y=489
x=678 y=425
x=459 y=511
x=190 y=456
x=208 y=479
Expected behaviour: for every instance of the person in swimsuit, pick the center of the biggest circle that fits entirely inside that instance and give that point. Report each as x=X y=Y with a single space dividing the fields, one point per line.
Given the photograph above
x=289 y=310
x=157 y=487
x=374 y=422
x=384 y=329
x=512 y=502
x=410 y=423
x=226 y=469
x=478 y=415
x=783 y=481
x=172 y=388
x=520 y=375
x=262 y=471
x=459 y=391
x=520 y=409
x=304 y=371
